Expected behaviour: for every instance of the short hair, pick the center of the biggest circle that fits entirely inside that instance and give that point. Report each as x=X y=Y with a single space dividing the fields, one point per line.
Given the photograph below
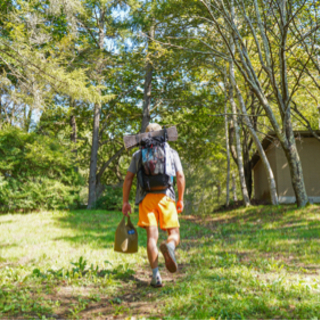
x=153 y=127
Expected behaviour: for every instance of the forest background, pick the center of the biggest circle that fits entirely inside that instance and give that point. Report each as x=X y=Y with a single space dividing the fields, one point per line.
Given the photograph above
x=76 y=76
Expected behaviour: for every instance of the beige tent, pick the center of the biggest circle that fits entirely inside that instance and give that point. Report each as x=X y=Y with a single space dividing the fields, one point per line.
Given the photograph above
x=309 y=152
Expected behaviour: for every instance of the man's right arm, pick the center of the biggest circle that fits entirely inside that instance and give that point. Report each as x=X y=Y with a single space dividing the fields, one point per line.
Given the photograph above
x=126 y=193
x=181 y=183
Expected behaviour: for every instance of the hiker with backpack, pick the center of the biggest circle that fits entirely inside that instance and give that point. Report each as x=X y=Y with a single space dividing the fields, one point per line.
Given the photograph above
x=155 y=165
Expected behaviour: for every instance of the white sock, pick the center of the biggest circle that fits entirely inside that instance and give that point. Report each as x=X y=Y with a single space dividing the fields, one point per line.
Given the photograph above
x=155 y=272
x=171 y=245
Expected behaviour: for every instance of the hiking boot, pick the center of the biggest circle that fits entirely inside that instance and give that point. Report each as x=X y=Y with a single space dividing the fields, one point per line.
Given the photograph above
x=169 y=257
x=156 y=282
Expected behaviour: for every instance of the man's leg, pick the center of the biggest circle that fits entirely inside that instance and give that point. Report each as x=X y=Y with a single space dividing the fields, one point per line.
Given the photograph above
x=152 y=239
x=174 y=236
x=168 y=217
x=168 y=249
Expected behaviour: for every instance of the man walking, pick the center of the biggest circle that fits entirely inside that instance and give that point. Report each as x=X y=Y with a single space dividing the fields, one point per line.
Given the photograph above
x=157 y=206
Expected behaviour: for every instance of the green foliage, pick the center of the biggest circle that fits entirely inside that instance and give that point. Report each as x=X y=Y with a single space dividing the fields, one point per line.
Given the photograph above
x=35 y=172
x=80 y=270
x=52 y=59
x=111 y=200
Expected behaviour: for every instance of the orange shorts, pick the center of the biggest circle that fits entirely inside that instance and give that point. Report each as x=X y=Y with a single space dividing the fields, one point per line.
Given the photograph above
x=155 y=207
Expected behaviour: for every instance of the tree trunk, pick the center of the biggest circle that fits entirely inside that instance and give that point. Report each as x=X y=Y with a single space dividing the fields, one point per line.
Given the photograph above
x=147 y=85
x=218 y=191
x=243 y=184
x=226 y=129
x=73 y=135
x=232 y=148
x=269 y=173
x=73 y=138
x=94 y=156
x=96 y=123
x=290 y=149
x=27 y=118
x=289 y=146
x=107 y=163
x=244 y=189
x=99 y=190
x=234 y=188
x=247 y=164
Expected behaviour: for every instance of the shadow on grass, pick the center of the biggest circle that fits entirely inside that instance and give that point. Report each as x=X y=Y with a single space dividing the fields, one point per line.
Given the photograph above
x=95 y=227
x=8 y=245
x=266 y=230
x=7 y=221
x=285 y=233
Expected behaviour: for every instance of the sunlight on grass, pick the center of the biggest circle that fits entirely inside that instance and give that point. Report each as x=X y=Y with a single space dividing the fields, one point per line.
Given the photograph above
x=259 y=262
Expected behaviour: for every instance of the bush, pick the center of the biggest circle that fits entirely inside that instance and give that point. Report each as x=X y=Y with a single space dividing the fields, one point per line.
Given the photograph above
x=111 y=200
x=36 y=171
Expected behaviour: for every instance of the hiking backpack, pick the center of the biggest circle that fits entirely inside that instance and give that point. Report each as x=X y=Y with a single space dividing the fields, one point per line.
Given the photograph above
x=152 y=167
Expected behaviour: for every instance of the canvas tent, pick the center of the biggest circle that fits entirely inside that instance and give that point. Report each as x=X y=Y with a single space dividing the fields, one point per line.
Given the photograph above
x=309 y=151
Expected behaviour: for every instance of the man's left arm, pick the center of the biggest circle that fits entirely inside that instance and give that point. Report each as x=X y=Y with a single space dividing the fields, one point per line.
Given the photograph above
x=126 y=207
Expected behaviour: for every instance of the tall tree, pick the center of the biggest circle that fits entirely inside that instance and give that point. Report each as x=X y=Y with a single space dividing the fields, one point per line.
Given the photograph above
x=148 y=81
x=226 y=129
x=234 y=110
x=273 y=59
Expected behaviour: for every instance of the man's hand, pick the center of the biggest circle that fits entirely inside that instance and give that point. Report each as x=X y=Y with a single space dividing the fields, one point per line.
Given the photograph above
x=180 y=206
x=126 y=208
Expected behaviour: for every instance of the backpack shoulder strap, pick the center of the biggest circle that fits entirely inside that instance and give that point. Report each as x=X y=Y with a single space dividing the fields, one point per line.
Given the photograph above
x=165 y=134
x=140 y=159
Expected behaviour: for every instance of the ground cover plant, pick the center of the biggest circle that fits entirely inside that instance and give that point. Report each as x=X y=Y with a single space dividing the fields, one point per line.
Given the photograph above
x=258 y=263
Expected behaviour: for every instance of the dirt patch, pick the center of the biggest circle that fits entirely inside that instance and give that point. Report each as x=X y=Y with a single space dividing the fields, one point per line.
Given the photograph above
x=136 y=299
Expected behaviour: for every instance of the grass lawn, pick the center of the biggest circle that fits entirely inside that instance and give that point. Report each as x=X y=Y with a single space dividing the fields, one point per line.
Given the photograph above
x=257 y=263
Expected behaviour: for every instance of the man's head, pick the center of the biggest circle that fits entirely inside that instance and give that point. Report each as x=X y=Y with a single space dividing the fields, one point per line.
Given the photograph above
x=153 y=127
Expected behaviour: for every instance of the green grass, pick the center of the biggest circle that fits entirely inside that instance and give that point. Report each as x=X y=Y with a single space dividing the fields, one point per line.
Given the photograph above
x=257 y=263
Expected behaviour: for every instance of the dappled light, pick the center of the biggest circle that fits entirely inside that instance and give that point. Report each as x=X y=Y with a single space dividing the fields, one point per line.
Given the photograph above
x=159 y=159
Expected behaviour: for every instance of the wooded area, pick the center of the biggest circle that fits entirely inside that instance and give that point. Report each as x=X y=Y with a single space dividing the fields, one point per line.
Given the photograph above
x=76 y=76
x=236 y=84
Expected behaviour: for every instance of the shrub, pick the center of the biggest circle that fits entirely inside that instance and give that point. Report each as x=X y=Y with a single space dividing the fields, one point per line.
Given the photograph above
x=36 y=171
x=111 y=199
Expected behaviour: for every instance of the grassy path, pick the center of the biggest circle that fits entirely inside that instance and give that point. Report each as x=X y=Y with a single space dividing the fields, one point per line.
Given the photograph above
x=257 y=263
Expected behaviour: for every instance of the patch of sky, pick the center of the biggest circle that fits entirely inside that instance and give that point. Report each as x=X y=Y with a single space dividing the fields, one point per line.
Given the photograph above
x=121 y=13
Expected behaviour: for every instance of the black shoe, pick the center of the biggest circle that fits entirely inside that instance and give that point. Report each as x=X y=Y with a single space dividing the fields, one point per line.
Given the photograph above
x=169 y=257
